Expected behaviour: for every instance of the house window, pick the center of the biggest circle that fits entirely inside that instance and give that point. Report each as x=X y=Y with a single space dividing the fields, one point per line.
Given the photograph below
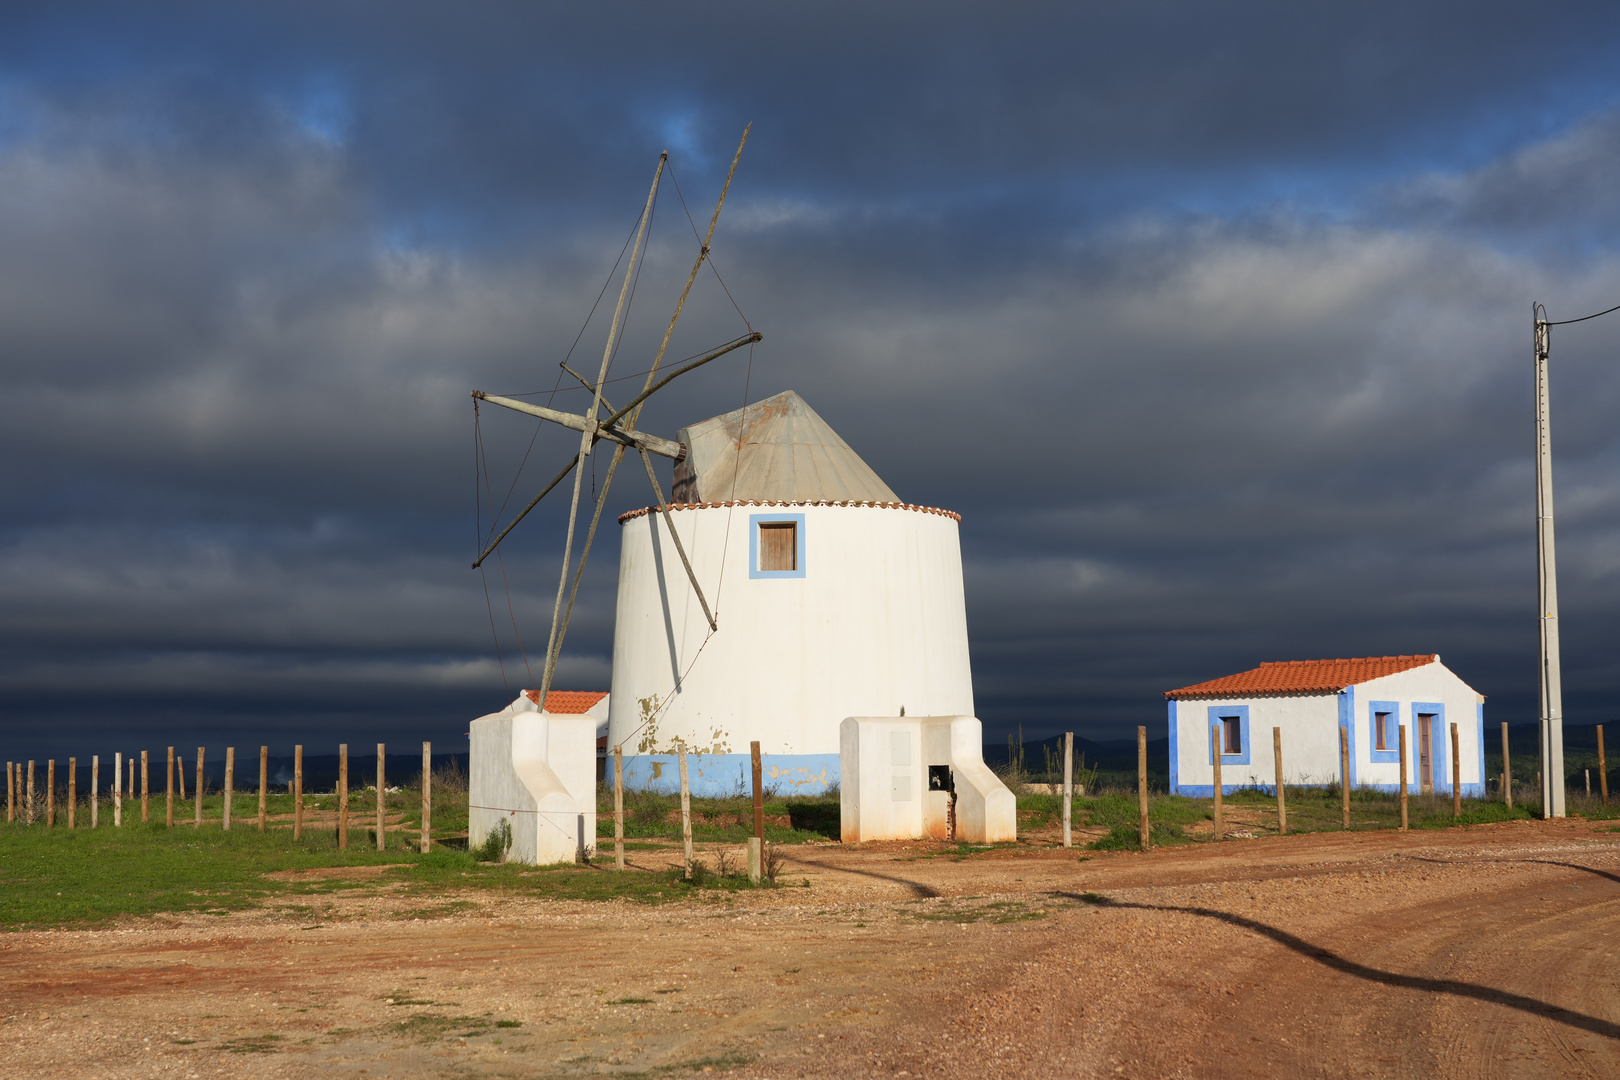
x=1229 y=731
x=1383 y=732
x=778 y=545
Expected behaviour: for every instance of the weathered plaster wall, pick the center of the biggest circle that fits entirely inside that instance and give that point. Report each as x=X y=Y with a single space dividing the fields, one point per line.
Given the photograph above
x=885 y=793
x=872 y=622
x=537 y=772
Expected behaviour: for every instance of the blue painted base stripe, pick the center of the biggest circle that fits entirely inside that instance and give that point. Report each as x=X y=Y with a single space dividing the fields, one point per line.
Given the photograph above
x=724 y=775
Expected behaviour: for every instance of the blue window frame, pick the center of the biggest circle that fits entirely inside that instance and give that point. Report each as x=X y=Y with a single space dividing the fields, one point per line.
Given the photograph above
x=1230 y=720
x=1390 y=713
x=754 y=522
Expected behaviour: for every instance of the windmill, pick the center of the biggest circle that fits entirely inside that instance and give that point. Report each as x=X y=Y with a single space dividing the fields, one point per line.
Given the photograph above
x=618 y=428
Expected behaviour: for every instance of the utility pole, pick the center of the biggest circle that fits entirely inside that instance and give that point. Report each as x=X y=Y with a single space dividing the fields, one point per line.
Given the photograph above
x=1552 y=692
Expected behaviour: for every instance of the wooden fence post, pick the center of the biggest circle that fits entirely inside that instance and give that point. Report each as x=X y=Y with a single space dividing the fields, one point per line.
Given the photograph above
x=146 y=790
x=1456 y=776
x=1215 y=757
x=131 y=787
x=29 y=809
x=427 y=796
x=118 y=787
x=618 y=807
x=73 y=790
x=1603 y=767
x=343 y=796
x=1344 y=772
x=264 y=785
x=1282 y=804
x=11 y=792
x=180 y=761
x=1068 y=789
x=1402 y=736
x=50 y=793
x=1507 y=770
x=1144 y=830
x=756 y=843
x=230 y=785
x=95 y=790
x=198 y=790
x=686 y=814
x=382 y=801
x=168 y=789
x=298 y=791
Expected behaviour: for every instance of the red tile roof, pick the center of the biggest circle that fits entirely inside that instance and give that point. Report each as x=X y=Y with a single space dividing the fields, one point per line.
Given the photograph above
x=1304 y=676
x=568 y=701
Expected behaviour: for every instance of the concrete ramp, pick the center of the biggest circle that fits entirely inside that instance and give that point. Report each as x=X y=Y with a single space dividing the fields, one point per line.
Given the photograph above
x=900 y=774
x=535 y=771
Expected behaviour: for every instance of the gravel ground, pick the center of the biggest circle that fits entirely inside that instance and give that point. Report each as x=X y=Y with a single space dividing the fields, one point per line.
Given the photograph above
x=1485 y=951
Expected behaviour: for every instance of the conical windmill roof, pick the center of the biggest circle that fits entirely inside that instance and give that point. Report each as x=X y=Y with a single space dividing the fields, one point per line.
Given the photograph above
x=775 y=449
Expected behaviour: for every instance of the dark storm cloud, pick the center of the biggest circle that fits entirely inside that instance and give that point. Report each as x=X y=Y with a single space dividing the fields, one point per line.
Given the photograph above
x=1210 y=319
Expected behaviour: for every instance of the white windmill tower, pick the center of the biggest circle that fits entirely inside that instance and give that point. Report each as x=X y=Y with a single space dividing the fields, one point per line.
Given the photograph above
x=533 y=770
x=842 y=647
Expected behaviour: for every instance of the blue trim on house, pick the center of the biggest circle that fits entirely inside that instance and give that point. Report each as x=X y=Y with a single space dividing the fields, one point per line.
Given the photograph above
x=1216 y=713
x=1479 y=712
x=1392 y=736
x=754 y=571
x=1439 y=737
x=1347 y=721
x=1175 y=753
x=723 y=775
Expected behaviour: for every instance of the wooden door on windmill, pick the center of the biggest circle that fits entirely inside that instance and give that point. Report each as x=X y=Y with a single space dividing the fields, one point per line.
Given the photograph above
x=779 y=545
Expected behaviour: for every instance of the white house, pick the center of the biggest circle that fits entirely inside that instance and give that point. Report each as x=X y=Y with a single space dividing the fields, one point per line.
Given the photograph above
x=832 y=597
x=1371 y=698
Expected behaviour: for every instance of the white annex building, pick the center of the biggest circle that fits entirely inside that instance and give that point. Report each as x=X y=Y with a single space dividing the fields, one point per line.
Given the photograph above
x=1371 y=698
x=833 y=599
x=535 y=770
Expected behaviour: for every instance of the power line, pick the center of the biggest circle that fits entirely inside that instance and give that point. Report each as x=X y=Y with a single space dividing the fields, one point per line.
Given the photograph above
x=1583 y=318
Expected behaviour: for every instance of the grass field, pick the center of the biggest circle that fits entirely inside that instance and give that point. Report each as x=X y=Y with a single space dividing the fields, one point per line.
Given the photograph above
x=58 y=877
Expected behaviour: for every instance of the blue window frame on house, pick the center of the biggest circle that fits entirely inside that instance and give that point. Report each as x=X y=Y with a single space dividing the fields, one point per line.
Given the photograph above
x=776 y=545
x=1383 y=731
x=1231 y=722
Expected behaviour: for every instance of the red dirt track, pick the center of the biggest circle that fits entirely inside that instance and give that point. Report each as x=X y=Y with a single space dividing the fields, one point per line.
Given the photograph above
x=1491 y=951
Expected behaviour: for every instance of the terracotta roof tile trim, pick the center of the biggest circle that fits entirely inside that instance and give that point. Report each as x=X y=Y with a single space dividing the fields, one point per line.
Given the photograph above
x=784 y=502
x=1304 y=676
x=561 y=702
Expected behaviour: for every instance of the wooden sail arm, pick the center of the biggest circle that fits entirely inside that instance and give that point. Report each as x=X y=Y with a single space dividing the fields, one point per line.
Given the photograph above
x=680 y=549
x=682 y=370
x=636 y=440
x=521 y=514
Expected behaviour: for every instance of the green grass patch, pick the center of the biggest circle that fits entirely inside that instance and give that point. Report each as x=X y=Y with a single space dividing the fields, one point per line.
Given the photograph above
x=431 y=1027
x=999 y=911
x=654 y=815
x=57 y=877
x=253 y=1044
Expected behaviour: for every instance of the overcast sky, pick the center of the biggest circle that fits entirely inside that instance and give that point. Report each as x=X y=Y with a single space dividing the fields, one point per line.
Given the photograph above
x=1212 y=321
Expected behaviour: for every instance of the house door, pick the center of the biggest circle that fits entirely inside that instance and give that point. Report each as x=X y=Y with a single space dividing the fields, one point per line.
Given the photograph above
x=1425 y=734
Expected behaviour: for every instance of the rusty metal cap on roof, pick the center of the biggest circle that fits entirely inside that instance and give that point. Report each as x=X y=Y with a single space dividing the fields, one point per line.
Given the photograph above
x=775 y=449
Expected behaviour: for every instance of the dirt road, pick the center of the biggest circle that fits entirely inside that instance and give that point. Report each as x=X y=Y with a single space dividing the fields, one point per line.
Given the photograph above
x=1490 y=951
